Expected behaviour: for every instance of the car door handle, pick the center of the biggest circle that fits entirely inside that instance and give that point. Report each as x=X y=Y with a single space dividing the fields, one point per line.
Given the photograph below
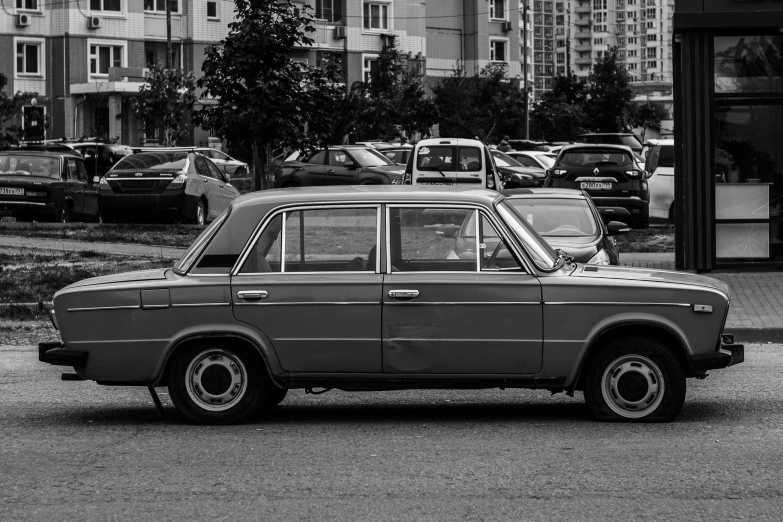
x=330 y=171
x=403 y=294
x=252 y=295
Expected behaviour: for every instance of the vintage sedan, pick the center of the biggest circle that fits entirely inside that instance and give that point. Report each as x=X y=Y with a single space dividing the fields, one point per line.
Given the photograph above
x=352 y=288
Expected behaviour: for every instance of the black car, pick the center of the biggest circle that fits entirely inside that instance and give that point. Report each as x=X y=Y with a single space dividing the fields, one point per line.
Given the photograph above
x=611 y=176
x=343 y=165
x=569 y=221
x=514 y=174
x=181 y=185
x=99 y=158
x=46 y=186
x=612 y=138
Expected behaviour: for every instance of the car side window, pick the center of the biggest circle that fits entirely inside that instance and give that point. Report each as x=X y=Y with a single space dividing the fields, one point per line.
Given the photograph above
x=317 y=240
x=202 y=168
x=337 y=158
x=73 y=170
x=213 y=170
x=469 y=159
x=495 y=254
x=82 y=171
x=527 y=161
x=319 y=158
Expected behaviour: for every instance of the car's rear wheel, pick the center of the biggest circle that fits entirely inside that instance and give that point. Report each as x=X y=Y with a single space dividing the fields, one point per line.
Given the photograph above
x=217 y=384
x=200 y=213
x=65 y=214
x=635 y=380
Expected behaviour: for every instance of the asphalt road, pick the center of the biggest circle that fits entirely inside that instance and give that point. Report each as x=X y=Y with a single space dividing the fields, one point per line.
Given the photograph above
x=79 y=451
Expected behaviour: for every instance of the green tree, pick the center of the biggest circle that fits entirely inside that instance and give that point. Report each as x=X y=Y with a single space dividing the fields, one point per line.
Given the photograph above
x=648 y=116
x=11 y=133
x=259 y=91
x=164 y=101
x=610 y=104
x=488 y=104
x=560 y=115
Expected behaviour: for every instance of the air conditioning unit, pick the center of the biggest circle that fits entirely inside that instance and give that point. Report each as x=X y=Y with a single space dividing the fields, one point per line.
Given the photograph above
x=22 y=20
x=340 y=32
x=506 y=27
x=93 y=22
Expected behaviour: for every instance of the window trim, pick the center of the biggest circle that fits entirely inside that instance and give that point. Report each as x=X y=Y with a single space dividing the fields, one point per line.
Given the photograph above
x=366 y=72
x=496 y=18
x=178 y=12
x=217 y=10
x=507 y=47
x=38 y=9
x=40 y=43
x=390 y=17
x=298 y=207
x=122 y=13
x=96 y=77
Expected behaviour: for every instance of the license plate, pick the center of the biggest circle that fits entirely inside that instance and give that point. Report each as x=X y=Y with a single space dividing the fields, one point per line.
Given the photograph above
x=436 y=183
x=12 y=191
x=596 y=185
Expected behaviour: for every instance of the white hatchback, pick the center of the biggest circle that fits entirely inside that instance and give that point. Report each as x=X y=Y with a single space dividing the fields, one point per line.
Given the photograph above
x=452 y=161
x=659 y=163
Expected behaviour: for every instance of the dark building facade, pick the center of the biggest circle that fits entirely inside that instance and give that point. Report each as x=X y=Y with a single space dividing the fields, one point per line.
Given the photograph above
x=728 y=91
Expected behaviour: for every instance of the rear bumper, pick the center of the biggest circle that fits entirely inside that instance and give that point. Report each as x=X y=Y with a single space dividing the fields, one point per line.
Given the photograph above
x=728 y=354
x=55 y=353
x=147 y=205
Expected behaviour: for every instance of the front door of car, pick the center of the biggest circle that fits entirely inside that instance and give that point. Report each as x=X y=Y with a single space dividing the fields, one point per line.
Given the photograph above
x=75 y=187
x=447 y=310
x=336 y=171
x=310 y=283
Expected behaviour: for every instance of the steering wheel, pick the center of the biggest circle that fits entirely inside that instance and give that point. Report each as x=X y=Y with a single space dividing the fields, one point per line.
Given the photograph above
x=494 y=256
x=564 y=228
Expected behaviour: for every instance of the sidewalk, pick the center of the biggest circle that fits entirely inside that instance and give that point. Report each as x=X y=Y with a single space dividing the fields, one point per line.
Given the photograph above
x=756 y=312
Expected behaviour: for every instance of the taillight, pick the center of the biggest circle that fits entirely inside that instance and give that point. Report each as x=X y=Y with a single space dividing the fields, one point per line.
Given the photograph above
x=104 y=181
x=178 y=182
x=490 y=180
x=633 y=174
x=558 y=173
x=35 y=193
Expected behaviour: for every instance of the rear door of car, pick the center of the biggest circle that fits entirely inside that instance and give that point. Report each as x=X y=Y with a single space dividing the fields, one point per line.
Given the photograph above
x=315 y=168
x=447 y=310
x=336 y=173
x=450 y=163
x=90 y=207
x=211 y=186
x=660 y=164
x=222 y=194
x=311 y=283
x=75 y=187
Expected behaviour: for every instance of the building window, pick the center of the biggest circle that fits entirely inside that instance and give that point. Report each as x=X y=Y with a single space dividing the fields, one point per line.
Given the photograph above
x=159 y=6
x=598 y=41
x=212 y=10
x=106 y=5
x=560 y=69
x=652 y=52
x=632 y=53
x=369 y=65
x=104 y=55
x=633 y=41
x=632 y=28
x=560 y=57
x=547 y=7
x=620 y=4
x=651 y=13
x=376 y=16
x=652 y=64
x=599 y=4
x=548 y=32
x=620 y=17
x=497 y=9
x=27 y=5
x=621 y=42
x=650 y=25
x=538 y=32
x=29 y=54
x=498 y=50
x=632 y=66
x=329 y=10
x=652 y=37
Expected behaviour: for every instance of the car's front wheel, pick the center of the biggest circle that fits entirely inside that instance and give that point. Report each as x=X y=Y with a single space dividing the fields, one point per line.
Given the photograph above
x=635 y=380
x=65 y=214
x=218 y=384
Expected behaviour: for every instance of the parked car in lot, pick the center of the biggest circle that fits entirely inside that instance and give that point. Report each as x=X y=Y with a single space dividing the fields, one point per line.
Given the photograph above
x=99 y=158
x=340 y=165
x=233 y=167
x=611 y=176
x=181 y=185
x=569 y=221
x=46 y=186
x=612 y=138
x=451 y=161
x=659 y=163
x=398 y=155
x=352 y=288
x=514 y=174
x=534 y=158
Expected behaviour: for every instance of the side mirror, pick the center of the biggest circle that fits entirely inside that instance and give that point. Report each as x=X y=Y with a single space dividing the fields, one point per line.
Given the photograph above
x=646 y=175
x=96 y=179
x=349 y=164
x=548 y=172
x=449 y=230
x=227 y=176
x=617 y=228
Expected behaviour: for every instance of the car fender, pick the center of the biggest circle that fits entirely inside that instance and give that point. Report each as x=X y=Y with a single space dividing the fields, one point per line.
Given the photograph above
x=616 y=321
x=195 y=186
x=380 y=177
x=237 y=330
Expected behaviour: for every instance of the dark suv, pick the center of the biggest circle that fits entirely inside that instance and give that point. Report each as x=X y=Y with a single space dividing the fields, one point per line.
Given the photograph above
x=611 y=176
x=612 y=138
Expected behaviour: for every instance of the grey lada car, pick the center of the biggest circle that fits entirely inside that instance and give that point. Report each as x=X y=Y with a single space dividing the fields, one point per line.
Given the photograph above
x=352 y=288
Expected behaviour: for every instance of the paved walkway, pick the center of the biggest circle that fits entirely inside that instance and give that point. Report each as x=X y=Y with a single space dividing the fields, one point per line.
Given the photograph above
x=757 y=297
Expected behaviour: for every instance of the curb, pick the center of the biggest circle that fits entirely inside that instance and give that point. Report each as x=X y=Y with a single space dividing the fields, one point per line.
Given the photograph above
x=756 y=335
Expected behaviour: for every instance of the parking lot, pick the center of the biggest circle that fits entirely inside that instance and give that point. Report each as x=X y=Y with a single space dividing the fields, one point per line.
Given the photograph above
x=87 y=452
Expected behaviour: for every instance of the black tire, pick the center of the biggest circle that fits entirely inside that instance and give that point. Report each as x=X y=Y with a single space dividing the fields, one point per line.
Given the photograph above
x=672 y=215
x=635 y=380
x=216 y=383
x=273 y=396
x=199 y=213
x=65 y=214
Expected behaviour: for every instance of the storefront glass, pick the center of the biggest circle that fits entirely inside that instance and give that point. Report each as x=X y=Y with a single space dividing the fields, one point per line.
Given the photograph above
x=748 y=170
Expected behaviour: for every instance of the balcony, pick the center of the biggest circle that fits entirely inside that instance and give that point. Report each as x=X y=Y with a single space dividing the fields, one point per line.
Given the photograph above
x=584 y=61
x=583 y=47
x=583 y=22
x=583 y=35
x=583 y=9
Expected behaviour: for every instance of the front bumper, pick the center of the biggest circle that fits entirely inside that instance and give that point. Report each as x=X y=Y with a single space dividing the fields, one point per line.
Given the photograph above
x=55 y=353
x=30 y=209
x=728 y=354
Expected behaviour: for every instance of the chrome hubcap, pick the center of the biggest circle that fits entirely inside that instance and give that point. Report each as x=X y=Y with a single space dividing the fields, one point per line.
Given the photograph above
x=632 y=386
x=200 y=214
x=216 y=379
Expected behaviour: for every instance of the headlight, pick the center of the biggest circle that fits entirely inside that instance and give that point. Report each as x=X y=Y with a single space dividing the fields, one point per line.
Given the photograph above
x=601 y=258
x=519 y=175
x=178 y=182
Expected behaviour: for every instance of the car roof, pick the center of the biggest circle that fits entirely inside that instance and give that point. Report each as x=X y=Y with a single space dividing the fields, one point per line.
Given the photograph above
x=608 y=134
x=44 y=153
x=367 y=193
x=596 y=146
x=669 y=142
x=449 y=141
x=534 y=192
x=529 y=152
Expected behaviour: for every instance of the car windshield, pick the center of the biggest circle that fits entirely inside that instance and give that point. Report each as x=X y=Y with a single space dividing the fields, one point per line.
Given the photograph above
x=154 y=160
x=542 y=254
x=557 y=217
x=630 y=141
x=370 y=158
x=547 y=159
x=28 y=165
x=504 y=160
x=596 y=158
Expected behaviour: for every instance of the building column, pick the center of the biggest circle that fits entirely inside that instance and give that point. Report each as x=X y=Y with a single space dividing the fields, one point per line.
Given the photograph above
x=115 y=116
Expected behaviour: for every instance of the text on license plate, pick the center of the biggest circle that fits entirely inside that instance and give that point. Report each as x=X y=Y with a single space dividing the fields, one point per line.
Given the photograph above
x=12 y=191
x=596 y=185
x=436 y=183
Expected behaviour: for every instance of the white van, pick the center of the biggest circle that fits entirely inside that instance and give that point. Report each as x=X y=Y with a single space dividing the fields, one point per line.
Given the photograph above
x=659 y=163
x=452 y=161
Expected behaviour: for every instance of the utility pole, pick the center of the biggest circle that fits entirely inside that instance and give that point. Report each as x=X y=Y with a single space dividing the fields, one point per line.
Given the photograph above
x=524 y=69
x=168 y=34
